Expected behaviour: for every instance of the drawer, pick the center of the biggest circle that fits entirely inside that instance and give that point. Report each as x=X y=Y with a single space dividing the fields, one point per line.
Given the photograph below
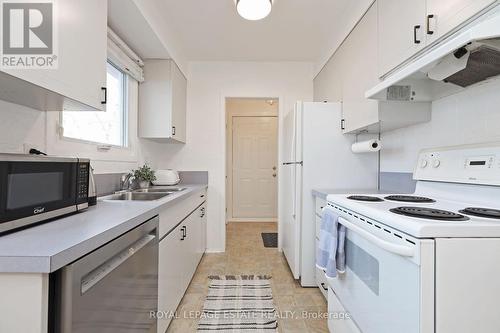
x=320 y=203
x=322 y=282
x=318 y=226
x=172 y=215
x=339 y=321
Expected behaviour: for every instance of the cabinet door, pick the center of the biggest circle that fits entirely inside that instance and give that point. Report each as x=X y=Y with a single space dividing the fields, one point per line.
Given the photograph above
x=328 y=83
x=162 y=102
x=179 y=99
x=200 y=220
x=81 y=44
x=155 y=100
x=170 y=275
x=401 y=31
x=191 y=242
x=359 y=112
x=203 y=218
x=445 y=15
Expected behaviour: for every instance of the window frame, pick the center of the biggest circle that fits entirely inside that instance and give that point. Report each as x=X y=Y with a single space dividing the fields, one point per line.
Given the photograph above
x=124 y=119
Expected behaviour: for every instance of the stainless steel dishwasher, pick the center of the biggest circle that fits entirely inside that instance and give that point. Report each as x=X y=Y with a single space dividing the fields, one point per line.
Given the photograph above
x=112 y=289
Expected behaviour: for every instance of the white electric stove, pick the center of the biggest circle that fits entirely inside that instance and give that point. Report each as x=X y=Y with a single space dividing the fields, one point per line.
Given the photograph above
x=426 y=262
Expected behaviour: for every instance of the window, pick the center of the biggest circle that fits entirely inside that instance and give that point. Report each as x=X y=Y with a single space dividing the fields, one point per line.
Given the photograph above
x=110 y=127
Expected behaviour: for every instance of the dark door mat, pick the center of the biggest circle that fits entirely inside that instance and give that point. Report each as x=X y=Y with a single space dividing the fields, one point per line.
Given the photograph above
x=270 y=239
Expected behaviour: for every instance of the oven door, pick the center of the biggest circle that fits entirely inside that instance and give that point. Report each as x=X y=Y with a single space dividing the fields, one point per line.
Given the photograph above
x=33 y=191
x=382 y=287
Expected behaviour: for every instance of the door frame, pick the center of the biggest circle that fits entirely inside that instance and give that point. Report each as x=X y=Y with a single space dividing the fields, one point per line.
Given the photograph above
x=229 y=158
x=224 y=95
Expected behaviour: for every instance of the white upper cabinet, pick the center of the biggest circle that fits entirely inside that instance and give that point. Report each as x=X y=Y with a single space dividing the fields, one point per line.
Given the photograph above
x=401 y=31
x=361 y=75
x=363 y=115
x=353 y=70
x=445 y=15
x=162 y=102
x=408 y=26
x=79 y=81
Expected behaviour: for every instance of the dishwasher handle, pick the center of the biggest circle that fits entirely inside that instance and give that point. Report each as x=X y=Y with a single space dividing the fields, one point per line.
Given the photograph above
x=401 y=250
x=98 y=274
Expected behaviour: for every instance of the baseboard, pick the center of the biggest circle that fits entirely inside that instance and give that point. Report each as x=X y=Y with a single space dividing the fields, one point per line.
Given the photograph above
x=257 y=220
x=215 y=251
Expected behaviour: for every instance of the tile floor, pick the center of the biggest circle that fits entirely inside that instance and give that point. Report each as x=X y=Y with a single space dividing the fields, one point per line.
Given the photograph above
x=246 y=254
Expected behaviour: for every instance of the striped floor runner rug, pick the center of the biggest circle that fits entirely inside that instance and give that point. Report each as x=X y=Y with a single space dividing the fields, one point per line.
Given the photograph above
x=239 y=303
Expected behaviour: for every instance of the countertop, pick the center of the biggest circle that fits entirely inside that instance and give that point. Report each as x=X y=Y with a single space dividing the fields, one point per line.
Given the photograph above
x=322 y=193
x=47 y=247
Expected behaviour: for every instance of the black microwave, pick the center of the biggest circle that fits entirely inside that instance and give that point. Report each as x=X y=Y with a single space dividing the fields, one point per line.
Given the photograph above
x=35 y=188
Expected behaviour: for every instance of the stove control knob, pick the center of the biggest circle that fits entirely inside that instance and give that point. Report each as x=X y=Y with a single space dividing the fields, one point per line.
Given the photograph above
x=423 y=164
x=436 y=163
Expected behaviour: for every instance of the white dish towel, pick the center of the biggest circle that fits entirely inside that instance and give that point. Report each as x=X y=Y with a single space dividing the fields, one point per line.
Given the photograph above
x=330 y=255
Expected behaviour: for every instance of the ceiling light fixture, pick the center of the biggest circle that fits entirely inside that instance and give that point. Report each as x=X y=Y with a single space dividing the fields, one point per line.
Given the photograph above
x=254 y=10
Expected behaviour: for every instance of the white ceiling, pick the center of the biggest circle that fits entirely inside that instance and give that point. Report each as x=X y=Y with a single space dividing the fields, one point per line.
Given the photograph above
x=296 y=30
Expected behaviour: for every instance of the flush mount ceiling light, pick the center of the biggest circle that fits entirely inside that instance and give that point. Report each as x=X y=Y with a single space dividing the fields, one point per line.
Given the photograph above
x=254 y=10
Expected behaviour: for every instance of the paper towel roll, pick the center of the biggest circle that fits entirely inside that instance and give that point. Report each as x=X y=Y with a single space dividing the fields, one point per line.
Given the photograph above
x=370 y=146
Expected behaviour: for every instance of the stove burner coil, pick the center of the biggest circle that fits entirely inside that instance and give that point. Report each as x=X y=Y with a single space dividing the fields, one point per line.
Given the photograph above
x=366 y=198
x=482 y=212
x=429 y=213
x=409 y=198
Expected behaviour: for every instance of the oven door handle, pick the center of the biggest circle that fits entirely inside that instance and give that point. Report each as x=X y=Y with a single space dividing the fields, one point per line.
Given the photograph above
x=401 y=250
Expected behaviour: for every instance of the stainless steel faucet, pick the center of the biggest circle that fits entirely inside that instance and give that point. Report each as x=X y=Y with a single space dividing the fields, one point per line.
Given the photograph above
x=126 y=182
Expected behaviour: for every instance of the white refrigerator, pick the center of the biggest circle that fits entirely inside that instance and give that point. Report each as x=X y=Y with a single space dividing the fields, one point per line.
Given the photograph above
x=316 y=155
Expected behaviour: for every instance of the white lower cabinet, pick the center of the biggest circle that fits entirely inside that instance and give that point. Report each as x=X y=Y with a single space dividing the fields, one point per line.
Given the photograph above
x=202 y=219
x=322 y=282
x=339 y=320
x=170 y=276
x=320 y=275
x=181 y=249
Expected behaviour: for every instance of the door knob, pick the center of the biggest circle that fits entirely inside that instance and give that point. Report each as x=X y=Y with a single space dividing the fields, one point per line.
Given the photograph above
x=274 y=175
x=274 y=168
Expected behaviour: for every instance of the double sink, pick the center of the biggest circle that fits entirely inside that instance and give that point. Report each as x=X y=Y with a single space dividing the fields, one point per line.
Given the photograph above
x=147 y=194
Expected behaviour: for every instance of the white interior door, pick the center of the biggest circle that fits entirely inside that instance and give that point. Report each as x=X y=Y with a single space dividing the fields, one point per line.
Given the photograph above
x=254 y=167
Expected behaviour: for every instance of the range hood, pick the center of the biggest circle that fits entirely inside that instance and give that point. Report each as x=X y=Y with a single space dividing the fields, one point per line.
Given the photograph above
x=469 y=57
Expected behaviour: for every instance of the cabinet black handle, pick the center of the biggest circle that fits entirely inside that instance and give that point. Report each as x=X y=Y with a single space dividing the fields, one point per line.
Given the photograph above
x=342 y=124
x=173 y=130
x=105 y=95
x=323 y=286
x=183 y=232
x=415 y=40
x=429 y=17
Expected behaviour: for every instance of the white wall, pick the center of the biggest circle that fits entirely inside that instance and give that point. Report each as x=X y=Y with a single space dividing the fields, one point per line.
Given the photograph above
x=208 y=85
x=472 y=116
x=20 y=125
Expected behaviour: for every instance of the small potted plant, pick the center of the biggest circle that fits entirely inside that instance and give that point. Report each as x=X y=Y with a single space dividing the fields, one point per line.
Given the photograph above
x=144 y=176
